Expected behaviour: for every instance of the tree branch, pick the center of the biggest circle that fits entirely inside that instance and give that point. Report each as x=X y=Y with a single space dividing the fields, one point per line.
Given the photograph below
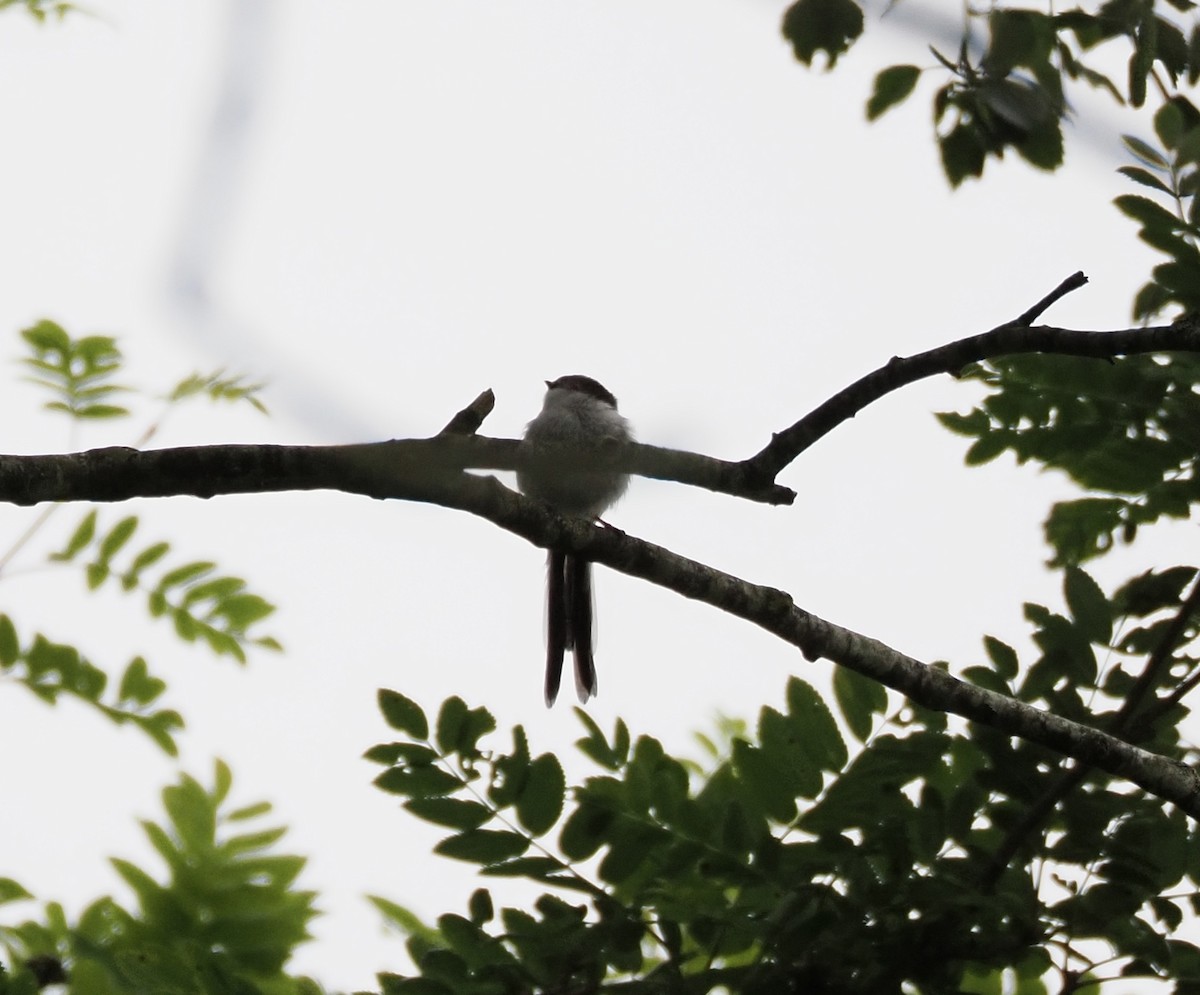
x=1012 y=338
x=408 y=469
x=774 y=611
x=432 y=470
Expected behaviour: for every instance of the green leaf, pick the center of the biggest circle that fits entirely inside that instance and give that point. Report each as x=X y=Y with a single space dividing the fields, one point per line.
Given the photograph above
x=1089 y=607
x=99 y=411
x=1003 y=657
x=762 y=780
x=184 y=574
x=10 y=891
x=540 y=802
x=10 y=647
x=480 y=905
x=1146 y=153
x=962 y=153
x=1152 y=591
x=828 y=26
x=403 y=714
x=117 y=536
x=597 y=747
x=138 y=685
x=82 y=535
x=483 y=846
x=451 y=721
x=148 y=557
x=1082 y=529
x=47 y=336
x=892 y=86
x=821 y=740
x=987 y=448
x=859 y=699
x=1018 y=38
x=404 y=920
x=418 y=781
x=455 y=813
x=1145 y=178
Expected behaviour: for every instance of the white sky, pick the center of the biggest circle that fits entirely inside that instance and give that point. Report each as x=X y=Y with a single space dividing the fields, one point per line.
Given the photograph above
x=404 y=204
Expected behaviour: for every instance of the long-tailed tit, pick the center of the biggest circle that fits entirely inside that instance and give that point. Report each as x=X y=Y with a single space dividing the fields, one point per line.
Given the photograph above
x=578 y=414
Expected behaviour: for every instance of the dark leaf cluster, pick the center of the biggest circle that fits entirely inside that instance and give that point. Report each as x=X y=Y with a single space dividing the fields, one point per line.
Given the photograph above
x=1127 y=432
x=1011 y=92
x=793 y=863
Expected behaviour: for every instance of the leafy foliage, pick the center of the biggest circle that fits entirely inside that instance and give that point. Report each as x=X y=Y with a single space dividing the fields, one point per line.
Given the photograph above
x=790 y=861
x=224 y=922
x=40 y=10
x=733 y=877
x=219 y=387
x=1012 y=92
x=220 y=611
x=829 y=26
x=50 y=669
x=791 y=866
x=1126 y=432
x=78 y=372
x=1171 y=172
x=229 y=916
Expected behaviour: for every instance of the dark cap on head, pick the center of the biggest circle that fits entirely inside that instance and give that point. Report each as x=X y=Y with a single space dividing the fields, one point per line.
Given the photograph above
x=584 y=385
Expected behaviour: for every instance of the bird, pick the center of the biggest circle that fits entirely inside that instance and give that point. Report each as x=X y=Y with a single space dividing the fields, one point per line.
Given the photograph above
x=578 y=414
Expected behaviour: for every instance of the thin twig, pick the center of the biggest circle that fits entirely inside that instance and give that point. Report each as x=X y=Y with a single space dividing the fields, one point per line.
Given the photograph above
x=1016 y=336
x=468 y=421
x=1072 y=282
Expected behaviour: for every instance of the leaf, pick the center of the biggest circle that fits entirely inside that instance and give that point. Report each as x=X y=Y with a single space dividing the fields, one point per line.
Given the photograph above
x=1089 y=607
x=1018 y=38
x=82 y=535
x=962 y=154
x=148 y=557
x=454 y=813
x=762 y=782
x=828 y=26
x=417 y=782
x=10 y=891
x=892 y=86
x=821 y=740
x=403 y=714
x=451 y=721
x=859 y=698
x=10 y=647
x=402 y=919
x=986 y=448
x=1083 y=529
x=1146 y=153
x=137 y=685
x=184 y=574
x=99 y=411
x=1145 y=178
x=1003 y=657
x=117 y=536
x=540 y=802
x=480 y=905
x=595 y=746
x=1152 y=591
x=483 y=846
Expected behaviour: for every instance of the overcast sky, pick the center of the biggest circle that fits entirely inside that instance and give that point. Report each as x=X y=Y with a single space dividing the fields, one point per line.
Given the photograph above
x=383 y=209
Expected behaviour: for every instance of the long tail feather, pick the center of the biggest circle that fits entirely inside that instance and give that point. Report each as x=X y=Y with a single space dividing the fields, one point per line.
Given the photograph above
x=558 y=622
x=579 y=612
